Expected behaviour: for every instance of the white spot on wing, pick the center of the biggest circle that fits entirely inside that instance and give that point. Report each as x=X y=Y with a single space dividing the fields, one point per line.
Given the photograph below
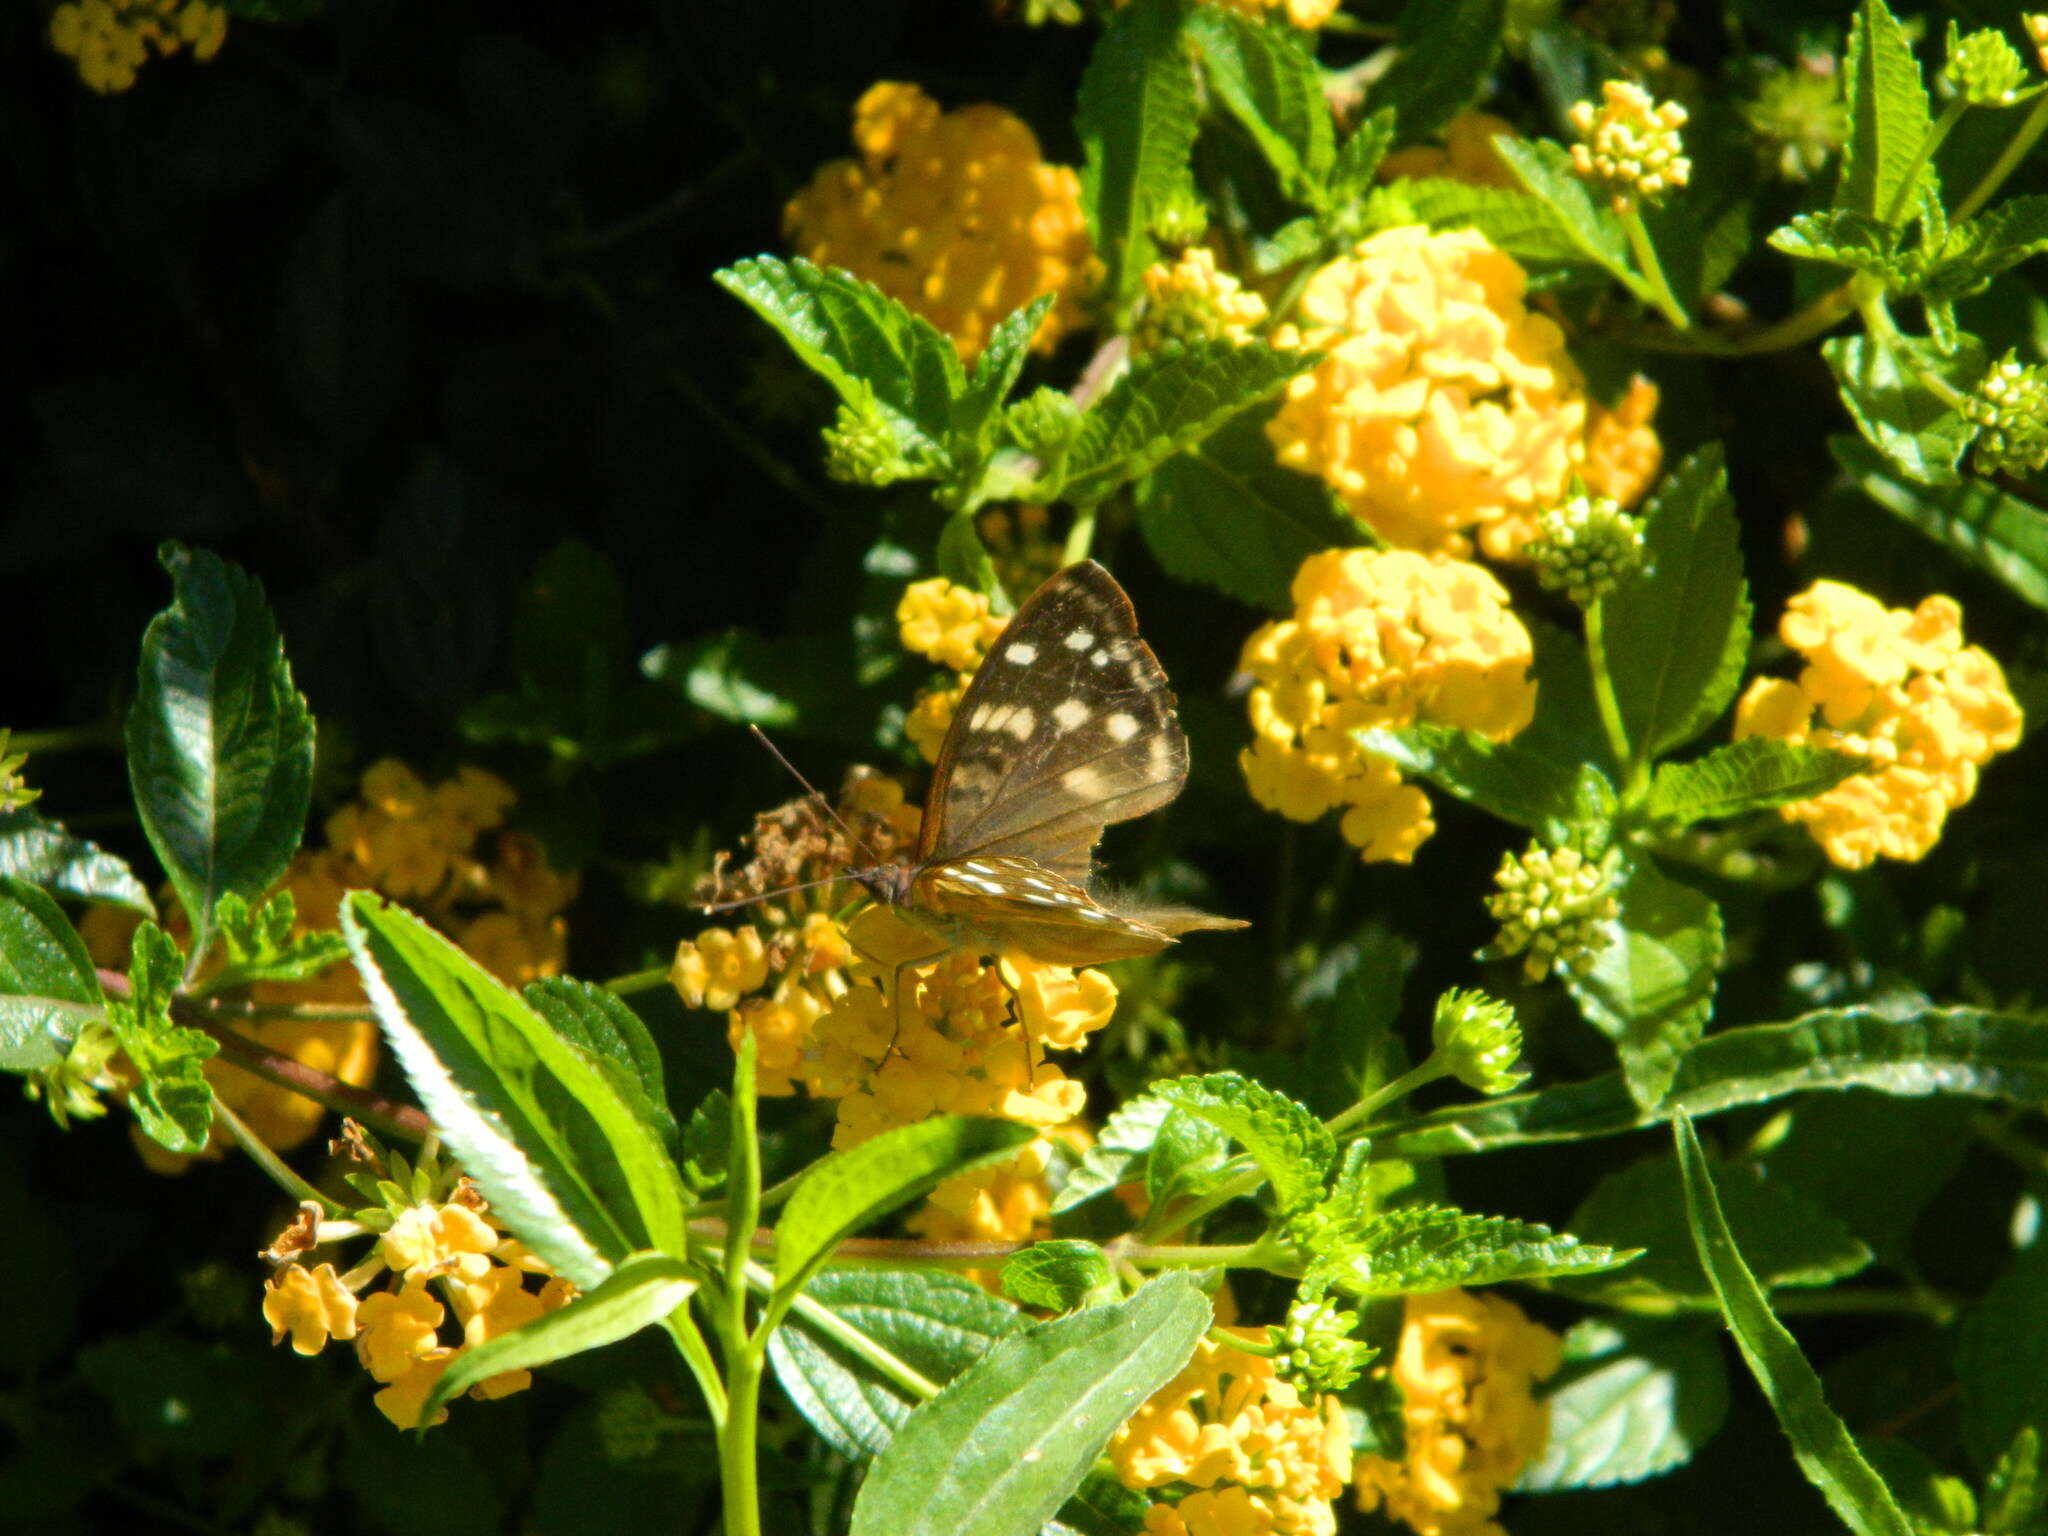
x=1100 y=658
x=1121 y=727
x=1022 y=652
x=1070 y=713
x=980 y=720
x=1079 y=640
x=1082 y=781
x=1021 y=724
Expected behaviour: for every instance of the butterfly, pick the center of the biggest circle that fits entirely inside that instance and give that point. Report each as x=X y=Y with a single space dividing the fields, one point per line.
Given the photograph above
x=1067 y=728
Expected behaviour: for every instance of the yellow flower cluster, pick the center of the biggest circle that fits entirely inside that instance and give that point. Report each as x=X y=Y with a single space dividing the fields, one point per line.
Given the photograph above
x=1378 y=638
x=1632 y=150
x=1466 y=1367
x=1898 y=687
x=110 y=40
x=1303 y=13
x=452 y=1249
x=953 y=214
x=1192 y=300
x=1467 y=154
x=951 y=626
x=1251 y=1455
x=1446 y=405
x=2035 y=24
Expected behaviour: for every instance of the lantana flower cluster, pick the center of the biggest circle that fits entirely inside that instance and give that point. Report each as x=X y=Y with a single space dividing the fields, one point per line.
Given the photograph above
x=109 y=40
x=952 y=627
x=1632 y=149
x=1378 y=638
x=1898 y=687
x=1229 y=1448
x=1467 y=1366
x=954 y=214
x=1447 y=408
x=441 y=1261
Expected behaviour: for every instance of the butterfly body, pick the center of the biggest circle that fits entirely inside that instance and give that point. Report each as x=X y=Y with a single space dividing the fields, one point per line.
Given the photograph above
x=1066 y=728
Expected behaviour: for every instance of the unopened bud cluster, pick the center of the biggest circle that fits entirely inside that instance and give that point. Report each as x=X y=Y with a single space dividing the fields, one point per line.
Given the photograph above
x=1632 y=150
x=1317 y=1350
x=1586 y=547
x=1553 y=905
x=1479 y=1040
x=2010 y=411
x=1984 y=68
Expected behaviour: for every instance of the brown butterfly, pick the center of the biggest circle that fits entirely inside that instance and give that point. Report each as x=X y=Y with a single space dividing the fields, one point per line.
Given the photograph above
x=1067 y=727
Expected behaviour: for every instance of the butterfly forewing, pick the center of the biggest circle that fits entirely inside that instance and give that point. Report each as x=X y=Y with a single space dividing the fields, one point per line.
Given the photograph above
x=1066 y=728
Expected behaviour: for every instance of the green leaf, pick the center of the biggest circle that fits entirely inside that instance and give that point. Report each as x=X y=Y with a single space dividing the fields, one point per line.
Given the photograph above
x=1590 y=226
x=738 y=675
x=1843 y=237
x=1786 y=1239
x=1446 y=50
x=1888 y=115
x=1975 y=521
x=1635 y=1398
x=172 y=1100
x=1169 y=400
x=567 y=1164
x=1678 y=635
x=1434 y=1247
x=1503 y=778
x=1937 y=1050
x=48 y=986
x=1223 y=513
x=1822 y=1444
x=2014 y=1489
x=1061 y=1275
x=963 y=559
x=846 y=1190
x=640 y=1292
x=980 y=406
x=1266 y=78
x=1003 y=1445
x=1136 y=115
x=1126 y=1137
x=1757 y=773
x=259 y=945
x=2002 y=1358
x=1294 y=1150
x=1881 y=380
x=38 y=851
x=220 y=746
x=863 y=343
x=935 y=1324
x=707 y=1141
x=1101 y=1506
x=1974 y=252
x=1351 y=178
x=612 y=1038
x=1189 y=1158
x=1527 y=228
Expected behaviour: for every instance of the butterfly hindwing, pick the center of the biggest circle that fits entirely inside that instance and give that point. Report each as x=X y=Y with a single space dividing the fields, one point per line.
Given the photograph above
x=1035 y=911
x=1066 y=728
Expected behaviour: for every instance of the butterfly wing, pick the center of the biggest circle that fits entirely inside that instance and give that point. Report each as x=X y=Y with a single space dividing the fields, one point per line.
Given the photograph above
x=1018 y=905
x=1067 y=727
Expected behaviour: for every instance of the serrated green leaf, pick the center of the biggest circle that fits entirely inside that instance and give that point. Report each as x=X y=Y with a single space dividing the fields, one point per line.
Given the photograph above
x=640 y=1292
x=41 y=853
x=220 y=745
x=1358 y=162
x=1434 y=1247
x=1125 y=1138
x=1294 y=1150
x=1136 y=115
x=172 y=1100
x=1527 y=228
x=1266 y=78
x=1295 y=241
x=1545 y=171
x=1169 y=400
x=567 y=1164
x=1757 y=773
x=612 y=1037
x=1187 y=1160
x=259 y=945
x=1678 y=635
x=1972 y=253
x=1502 y=778
x=999 y=1450
x=936 y=1324
x=1888 y=115
x=2002 y=1358
x=48 y=986
x=1825 y=1449
x=1225 y=514
x=1843 y=237
x=1786 y=1239
x=1651 y=990
x=1635 y=1398
x=1975 y=521
x=1883 y=383
x=848 y=1189
x=1967 y=1051
x=1060 y=1275
x=863 y=343
x=1445 y=51
x=980 y=405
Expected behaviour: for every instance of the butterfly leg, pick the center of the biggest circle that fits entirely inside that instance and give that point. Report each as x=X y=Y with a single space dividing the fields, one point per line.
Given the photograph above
x=894 y=991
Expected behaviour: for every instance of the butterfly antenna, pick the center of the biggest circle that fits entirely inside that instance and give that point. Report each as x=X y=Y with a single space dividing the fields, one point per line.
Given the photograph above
x=780 y=891
x=830 y=810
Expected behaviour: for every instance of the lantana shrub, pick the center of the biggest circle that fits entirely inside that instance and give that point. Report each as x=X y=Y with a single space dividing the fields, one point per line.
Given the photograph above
x=1533 y=513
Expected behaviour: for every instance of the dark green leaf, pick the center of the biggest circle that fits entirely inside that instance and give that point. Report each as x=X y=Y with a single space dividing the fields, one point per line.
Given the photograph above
x=171 y=1099
x=1873 y=1163
x=1433 y=1247
x=1447 y=48
x=1059 y=1275
x=963 y=559
x=48 y=986
x=1678 y=635
x=1010 y=1438
x=2002 y=1358
x=1973 y=253
x=1351 y=177
x=260 y=945
x=1841 y=236
x=1101 y=1506
x=1882 y=383
x=707 y=1140
x=1294 y=1150
x=2014 y=1489
x=1636 y=1397
x=1502 y=778
x=1266 y=78
x=1825 y=1449
x=740 y=676
x=38 y=851
x=1976 y=521
x=611 y=1036
x=1888 y=115
x=1527 y=228
x=1757 y=773
x=1591 y=227
x=220 y=746
x=1225 y=514
x=1136 y=116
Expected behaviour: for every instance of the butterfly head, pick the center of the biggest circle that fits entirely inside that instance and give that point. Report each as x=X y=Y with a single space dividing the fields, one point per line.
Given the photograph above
x=889 y=883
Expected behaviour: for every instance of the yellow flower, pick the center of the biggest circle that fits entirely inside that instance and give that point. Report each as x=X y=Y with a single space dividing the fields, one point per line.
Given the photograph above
x=946 y=624
x=2035 y=24
x=1378 y=638
x=402 y=1401
x=1228 y=1422
x=1898 y=687
x=1303 y=13
x=398 y=1330
x=1445 y=404
x=1632 y=150
x=931 y=716
x=205 y=27
x=1466 y=1366
x=311 y=1306
x=1192 y=300
x=1467 y=155
x=718 y=967
x=426 y=1241
x=109 y=40
x=953 y=214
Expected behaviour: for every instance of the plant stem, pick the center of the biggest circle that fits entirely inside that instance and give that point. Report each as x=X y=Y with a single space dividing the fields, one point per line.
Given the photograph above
x=1796 y=329
x=1929 y=143
x=1610 y=705
x=2008 y=159
x=821 y=1319
x=1657 y=285
x=739 y=1476
x=1380 y=1098
x=737 y=1457
x=280 y=1174
x=65 y=738
x=697 y=1355
x=637 y=981
x=1080 y=537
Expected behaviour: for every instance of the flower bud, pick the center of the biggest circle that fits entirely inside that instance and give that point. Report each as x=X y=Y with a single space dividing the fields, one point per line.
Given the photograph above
x=1553 y=906
x=1318 y=1352
x=1587 y=547
x=2010 y=410
x=1479 y=1040
x=1632 y=149
x=1984 y=68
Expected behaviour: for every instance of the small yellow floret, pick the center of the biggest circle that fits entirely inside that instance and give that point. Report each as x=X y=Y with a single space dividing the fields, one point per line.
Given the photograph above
x=947 y=624
x=2035 y=24
x=398 y=1330
x=426 y=1241
x=1632 y=149
x=718 y=967
x=310 y=1305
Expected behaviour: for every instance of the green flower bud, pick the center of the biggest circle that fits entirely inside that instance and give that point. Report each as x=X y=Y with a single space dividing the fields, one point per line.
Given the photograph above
x=1553 y=906
x=13 y=793
x=861 y=448
x=1317 y=1350
x=1181 y=219
x=1479 y=1040
x=1985 y=69
x=1586 y=548
x=1800 y=118
x=1045 y=422
x=73 y=1086
x=2010 y=410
